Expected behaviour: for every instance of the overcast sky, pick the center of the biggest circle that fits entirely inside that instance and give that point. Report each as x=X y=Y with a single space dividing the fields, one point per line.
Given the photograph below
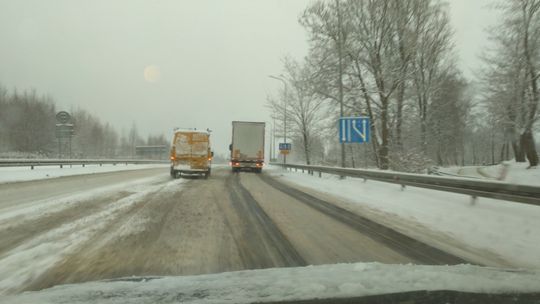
x=166 y=64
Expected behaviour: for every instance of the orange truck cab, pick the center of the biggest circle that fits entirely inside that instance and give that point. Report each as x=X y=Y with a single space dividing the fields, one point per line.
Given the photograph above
x=191 y=153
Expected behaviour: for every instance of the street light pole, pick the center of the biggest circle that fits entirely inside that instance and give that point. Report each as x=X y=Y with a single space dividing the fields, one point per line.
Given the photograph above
x=274 y=136
x=272 y=144
x=280 y=78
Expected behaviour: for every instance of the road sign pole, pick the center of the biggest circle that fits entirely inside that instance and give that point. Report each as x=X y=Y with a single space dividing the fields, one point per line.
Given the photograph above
x=365 y=156
x=285 y=126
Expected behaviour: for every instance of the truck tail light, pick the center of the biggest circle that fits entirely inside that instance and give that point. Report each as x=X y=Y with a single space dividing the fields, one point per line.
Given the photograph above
x=173 y=158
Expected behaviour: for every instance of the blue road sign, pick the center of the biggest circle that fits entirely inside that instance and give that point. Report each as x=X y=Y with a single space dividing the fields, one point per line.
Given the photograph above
x=284 y=146
x=354 y=130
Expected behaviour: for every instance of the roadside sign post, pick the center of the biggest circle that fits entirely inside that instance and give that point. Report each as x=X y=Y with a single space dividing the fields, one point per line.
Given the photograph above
x=354 y=130
x=64 y=130
x=284 y=149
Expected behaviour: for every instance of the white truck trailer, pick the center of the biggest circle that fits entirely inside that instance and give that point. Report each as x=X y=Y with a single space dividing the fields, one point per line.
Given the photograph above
x=247 y=147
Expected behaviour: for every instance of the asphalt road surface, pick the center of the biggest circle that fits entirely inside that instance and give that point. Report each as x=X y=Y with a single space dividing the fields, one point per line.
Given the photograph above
x=231 y=221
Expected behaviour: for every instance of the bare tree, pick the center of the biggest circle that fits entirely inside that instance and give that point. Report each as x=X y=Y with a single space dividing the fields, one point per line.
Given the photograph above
x=375 y=57
x=303 y=106
x=28 y=121
x=511 y=75
x=325 y=23
x=432 y=59
x=447 y=120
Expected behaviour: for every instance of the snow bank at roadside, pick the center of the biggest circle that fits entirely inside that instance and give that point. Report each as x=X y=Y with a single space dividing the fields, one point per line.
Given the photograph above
x=516 y=173
x=287 y=284
x=18 y=174
x=506 y=229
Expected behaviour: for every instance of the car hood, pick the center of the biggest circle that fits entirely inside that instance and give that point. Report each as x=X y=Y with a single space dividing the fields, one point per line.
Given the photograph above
x=290 y=284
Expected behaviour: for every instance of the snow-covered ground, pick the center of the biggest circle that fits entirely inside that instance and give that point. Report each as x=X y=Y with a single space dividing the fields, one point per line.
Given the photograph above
x=17 y=174
x=288 y=284
x=501 y=229
x=30 y=259
x=510 y=172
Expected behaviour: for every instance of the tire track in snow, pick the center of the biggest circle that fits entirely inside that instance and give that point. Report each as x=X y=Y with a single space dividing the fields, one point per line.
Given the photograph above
x=395 y=240
x=26 y=262
x=19 y=229
x=261 y=244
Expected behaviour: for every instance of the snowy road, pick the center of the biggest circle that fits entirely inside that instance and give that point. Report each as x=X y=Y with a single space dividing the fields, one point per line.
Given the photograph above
x=15 y=194
x=142 y=223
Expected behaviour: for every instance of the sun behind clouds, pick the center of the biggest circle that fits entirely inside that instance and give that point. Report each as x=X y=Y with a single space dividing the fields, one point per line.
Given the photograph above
x=152 y=73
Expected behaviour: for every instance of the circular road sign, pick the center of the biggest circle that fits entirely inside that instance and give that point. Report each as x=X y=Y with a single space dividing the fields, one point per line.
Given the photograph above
x=63 y=117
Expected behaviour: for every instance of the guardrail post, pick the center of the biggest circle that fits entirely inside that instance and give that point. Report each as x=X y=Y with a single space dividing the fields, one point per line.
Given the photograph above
x=302 y=170
x=61 y=166
x=32 y=167
x=320 y=174
x=474 y=199
x=402 y=187
x=83 y=165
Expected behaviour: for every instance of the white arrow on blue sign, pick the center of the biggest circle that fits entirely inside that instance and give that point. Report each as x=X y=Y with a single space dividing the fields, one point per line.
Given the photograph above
x=354 y=129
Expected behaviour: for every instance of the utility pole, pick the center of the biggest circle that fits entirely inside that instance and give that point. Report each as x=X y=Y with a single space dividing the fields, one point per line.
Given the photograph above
x=340 y=76
x=280 y=78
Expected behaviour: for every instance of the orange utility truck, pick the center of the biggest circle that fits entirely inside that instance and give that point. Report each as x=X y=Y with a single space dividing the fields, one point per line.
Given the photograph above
x=191 y=153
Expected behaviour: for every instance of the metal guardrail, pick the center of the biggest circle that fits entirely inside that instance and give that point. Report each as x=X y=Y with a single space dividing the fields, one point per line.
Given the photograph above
x=72 y=162
x=473 y=187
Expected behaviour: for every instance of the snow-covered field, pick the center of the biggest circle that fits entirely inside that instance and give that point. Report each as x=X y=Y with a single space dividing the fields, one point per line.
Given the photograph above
x=17 y=174
x=503 y=230
x=287 y=284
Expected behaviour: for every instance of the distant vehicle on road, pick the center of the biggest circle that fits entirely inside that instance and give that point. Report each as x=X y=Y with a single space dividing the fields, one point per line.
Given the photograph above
x=191 y=153
x=247 y=147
